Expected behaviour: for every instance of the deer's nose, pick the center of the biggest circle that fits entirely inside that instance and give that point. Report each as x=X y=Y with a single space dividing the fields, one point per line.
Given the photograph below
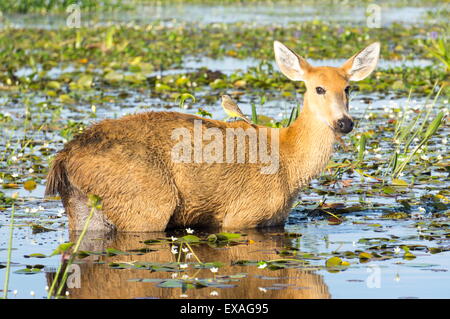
x=344 y=125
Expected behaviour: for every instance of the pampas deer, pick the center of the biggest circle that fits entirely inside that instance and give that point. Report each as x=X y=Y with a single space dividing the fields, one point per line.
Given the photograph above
x=129 y=162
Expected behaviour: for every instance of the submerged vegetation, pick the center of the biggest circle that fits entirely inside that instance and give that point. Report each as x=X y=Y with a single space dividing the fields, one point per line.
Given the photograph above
x=382 y=201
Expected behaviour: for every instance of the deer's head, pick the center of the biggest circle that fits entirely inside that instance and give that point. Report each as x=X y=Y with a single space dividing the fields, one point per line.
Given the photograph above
x=327 y=88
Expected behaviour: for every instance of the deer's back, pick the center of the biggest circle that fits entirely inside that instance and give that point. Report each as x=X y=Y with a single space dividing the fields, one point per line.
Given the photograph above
x=207 y=193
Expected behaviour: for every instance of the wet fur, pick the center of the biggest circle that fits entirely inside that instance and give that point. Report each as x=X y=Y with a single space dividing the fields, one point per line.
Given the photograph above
x=127 y=162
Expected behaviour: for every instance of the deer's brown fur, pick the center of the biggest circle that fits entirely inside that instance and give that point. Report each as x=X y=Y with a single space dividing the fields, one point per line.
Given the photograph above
x=127 y=162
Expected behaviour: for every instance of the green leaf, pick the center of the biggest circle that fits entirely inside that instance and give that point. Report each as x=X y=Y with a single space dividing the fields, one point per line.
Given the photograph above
x=152 y=241
x=94 y=201
x=114 y=252
x=28 y=271
x=215 y=264
x=333 y=262
x=229 y=236
x=223 y=237
x=177 y=283
x=29 y=185
x=409 y=255
x=254 y=114
x=434 y=125
x=113 y=77
x=65 y=98
x=183 y=97
x=35 y=255
x=362 y=147
x=365 y=255
x=54 y=85
x=85 y=81
x=62 y=248
x=190 y=239
x=399 y=182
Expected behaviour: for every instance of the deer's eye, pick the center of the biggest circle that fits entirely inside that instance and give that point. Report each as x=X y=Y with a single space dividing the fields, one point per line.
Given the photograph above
x=320 y=90
x=347 y=90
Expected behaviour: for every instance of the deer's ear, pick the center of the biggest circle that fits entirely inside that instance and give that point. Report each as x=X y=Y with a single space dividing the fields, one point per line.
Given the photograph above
x=290 y=64
x=359 y=66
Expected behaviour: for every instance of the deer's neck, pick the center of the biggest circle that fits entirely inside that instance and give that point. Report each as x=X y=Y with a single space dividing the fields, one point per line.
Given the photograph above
x=307 y=146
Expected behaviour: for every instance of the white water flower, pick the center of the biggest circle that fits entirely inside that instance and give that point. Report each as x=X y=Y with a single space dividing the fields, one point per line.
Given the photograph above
x=264 y=290
x=173 y=238
x=189 y=256
x=262 y=265
x=183 y=266
x=397 y=250
x=184 y=277
x=214 y=269
x=419 y=215
x=174 y=250
x=174 y=275
x=185 y=250
x=67 y=293
x=183 y=296
x=189 y=230
x=15 y=292
x=214 y=293
x=15 y=175
x=31 y=171
x=32 y=293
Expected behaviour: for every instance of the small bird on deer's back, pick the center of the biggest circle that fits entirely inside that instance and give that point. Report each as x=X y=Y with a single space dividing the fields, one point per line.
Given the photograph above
x=232 y=109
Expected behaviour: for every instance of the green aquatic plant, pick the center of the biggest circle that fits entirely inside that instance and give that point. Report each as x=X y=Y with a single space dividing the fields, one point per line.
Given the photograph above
x=95 y=203
x=182 y=97
x=399 y=159
x=9 y=253
x=45 y=6
x=438 y=45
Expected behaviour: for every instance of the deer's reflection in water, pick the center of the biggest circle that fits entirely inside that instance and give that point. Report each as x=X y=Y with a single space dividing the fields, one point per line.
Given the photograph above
x=98 y=280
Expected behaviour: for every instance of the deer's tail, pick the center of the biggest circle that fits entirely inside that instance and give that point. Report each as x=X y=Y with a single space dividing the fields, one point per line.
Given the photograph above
x=57 y=180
